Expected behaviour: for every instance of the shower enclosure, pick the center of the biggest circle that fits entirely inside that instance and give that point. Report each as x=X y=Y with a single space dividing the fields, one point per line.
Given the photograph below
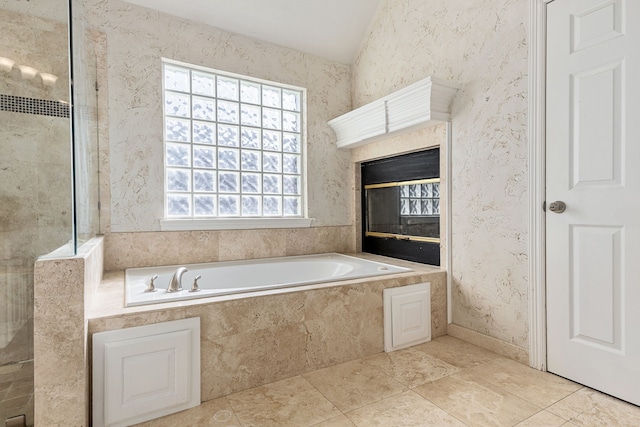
x=48 y=171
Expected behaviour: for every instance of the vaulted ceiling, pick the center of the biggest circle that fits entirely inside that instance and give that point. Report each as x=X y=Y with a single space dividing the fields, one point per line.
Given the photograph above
x=332 y=29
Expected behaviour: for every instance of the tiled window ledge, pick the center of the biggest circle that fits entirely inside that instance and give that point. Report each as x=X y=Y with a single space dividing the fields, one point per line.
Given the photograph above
x=233 y=223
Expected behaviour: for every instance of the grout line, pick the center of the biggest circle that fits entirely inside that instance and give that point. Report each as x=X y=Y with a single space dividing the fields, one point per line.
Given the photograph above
x=322 y=394
x=475 y=379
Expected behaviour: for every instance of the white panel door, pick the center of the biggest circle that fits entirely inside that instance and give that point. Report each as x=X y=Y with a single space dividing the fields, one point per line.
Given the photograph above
x=593 y=166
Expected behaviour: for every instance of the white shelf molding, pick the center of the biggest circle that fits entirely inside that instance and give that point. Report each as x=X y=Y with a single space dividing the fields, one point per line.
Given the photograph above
x=422 y=104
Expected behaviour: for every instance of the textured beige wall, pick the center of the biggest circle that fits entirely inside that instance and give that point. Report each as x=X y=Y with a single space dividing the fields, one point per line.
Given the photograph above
x=137 y=39
x=482 y=45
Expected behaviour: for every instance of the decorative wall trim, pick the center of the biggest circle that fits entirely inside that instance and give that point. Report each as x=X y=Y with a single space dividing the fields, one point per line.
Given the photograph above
x=537 y=254
x=448 y=264
x=419 y=105
x=41 y=107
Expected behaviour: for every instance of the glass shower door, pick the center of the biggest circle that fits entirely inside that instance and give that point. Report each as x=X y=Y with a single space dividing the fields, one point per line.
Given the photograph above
x=36 y=209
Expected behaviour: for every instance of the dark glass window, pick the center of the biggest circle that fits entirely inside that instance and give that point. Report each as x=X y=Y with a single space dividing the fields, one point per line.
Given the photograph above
x=401 y=205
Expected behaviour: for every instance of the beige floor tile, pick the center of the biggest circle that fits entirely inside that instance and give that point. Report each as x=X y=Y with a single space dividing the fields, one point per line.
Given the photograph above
x=411 y=367
x=291 y=402
x=405 y=409
x=476 y=402
x=457 y=352
x=339 y=421
x=354 y=384
x=614 y=413
x=575 y=404
x=588 y=407
x=540 y=388
x=213 y=413
x=542 y=419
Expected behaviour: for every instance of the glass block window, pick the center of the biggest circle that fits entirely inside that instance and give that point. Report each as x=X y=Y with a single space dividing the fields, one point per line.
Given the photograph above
x=233 y=145
x=420 y=199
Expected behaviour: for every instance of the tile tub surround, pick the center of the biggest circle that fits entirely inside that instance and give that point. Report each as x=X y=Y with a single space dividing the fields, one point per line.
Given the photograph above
x=482 y=389
x=63 y=289
x=144 y=249
x=263 y=337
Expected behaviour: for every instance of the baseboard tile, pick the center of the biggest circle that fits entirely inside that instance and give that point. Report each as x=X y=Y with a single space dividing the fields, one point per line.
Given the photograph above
x=493 y=344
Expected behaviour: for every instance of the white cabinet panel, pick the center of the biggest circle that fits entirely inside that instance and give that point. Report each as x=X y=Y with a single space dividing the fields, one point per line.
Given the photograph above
x=145 y=372
x=407 y=316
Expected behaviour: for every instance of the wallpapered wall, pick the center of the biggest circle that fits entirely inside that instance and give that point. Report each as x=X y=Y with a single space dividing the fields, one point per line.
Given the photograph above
x=482 y=45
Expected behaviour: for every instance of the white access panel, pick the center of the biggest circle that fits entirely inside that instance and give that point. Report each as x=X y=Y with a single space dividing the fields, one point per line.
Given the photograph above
x=145 y=372
x=407 y=316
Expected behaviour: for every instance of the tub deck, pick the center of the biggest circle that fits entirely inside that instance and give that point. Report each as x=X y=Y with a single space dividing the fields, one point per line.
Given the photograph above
x=109 y=297
x=260 y=337
x=238 y=277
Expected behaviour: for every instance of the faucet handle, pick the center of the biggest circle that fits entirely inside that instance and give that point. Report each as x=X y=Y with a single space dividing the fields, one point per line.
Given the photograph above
x=151 y=287
x=194 y=287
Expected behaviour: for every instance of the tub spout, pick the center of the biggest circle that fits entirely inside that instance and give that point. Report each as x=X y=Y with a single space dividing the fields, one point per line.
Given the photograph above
x=175 y=284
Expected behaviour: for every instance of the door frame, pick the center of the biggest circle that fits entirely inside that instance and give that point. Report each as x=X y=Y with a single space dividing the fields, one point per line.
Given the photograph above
x=537 y=184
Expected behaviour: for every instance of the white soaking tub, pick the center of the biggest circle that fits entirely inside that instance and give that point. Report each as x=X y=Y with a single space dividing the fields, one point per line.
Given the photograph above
x=223 y=278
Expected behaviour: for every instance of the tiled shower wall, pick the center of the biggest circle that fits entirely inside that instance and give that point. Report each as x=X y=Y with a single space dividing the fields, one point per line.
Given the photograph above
x=35 y=169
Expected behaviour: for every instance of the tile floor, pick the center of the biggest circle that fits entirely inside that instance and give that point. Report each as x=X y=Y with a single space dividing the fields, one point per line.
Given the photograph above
x=446 y=382
x=16 y=391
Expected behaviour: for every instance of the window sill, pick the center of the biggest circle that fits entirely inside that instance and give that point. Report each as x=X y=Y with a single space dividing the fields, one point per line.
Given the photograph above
x=232 y=223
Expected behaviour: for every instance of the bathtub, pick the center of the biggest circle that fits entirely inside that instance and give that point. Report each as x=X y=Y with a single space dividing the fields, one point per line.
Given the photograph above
x=232 y=277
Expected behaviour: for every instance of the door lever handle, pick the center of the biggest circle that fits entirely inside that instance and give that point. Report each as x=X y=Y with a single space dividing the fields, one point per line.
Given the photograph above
x=557 y=207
